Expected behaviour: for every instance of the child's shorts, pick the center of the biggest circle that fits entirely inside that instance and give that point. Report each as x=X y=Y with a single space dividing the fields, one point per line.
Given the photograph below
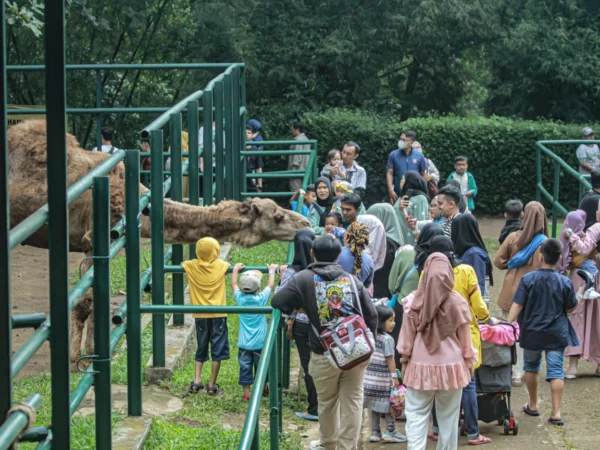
x=554 y=363
x=215 y=331
x=248 y=360
x=589 y=266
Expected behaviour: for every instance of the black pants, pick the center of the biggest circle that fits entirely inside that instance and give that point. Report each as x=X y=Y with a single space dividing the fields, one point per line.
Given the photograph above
x=301 y=332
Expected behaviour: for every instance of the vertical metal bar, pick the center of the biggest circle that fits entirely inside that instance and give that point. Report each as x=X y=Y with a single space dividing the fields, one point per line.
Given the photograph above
x=281 y=331
x=243 y=86
x=177 y=195
x=102 y=326
x=58 y=220
x=207 y=120
x=219 y=169
x=274 y=388
x=538 y=170
x=235 y=132
x=315 y=168
x=5 y=304
x=158 y=247
x=242 y=131
x=285 y=380
x=227 y=94
x=99 y=105
x=193 y=169
x=256 y=437
x=132 y=249
x=555 y=197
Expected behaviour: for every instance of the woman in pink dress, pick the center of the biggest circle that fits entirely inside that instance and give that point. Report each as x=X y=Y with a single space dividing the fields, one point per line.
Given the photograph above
x=437 y=354
x=586 y=317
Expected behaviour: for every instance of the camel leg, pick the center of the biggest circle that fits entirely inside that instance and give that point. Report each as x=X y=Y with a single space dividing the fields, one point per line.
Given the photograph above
x=89 y=338
x=79 y=314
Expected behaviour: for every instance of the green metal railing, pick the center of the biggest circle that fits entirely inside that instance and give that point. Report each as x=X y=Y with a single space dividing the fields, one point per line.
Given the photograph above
x=559 y=163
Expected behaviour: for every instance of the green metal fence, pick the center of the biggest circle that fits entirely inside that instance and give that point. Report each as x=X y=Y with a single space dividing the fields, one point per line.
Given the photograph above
x=543 y=151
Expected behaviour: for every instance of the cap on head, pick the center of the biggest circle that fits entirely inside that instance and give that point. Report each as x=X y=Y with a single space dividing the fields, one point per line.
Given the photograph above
x=250 y=281
x=587 y=131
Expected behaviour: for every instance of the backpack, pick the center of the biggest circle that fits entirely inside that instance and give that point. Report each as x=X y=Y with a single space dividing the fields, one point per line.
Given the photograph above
x=346 y=340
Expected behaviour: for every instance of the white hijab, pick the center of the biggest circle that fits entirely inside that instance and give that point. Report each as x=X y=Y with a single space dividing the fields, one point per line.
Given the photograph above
x=377 y=243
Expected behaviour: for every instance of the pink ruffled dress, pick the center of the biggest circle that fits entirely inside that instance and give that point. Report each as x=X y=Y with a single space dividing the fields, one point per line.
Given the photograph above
x=447 y=368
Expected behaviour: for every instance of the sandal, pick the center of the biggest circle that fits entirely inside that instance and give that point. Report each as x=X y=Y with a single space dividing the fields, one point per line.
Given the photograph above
x=571 y=376
x=432 y=436
x=246 y=397
x=212 y=390
x=557 y=422
x=194 y=388
x=480 y=440
x=517 y=381
x=530 y=412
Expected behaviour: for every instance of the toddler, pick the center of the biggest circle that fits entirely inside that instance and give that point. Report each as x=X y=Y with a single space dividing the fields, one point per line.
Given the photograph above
x=381 y=375
x=513 y=213
x=206 y=279
x=253 y=327
x=334 y=159
x=310 y=196
x=333 y=220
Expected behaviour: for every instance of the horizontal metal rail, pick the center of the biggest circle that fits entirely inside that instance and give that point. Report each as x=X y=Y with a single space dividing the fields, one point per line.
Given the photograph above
x=137 y=110
x=34 y=68
x=579 y=177
x=196 y=309
x=275 y=152
x=29 y=320
x=34 y=222
x=179 y=269
x=16 y=422
x=551 y=199
x=288 y=142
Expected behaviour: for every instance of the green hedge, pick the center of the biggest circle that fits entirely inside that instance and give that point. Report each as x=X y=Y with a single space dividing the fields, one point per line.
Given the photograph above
x=501 y=151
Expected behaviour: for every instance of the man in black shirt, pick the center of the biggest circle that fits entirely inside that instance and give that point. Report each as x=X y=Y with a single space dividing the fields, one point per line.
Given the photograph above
x=589 y=202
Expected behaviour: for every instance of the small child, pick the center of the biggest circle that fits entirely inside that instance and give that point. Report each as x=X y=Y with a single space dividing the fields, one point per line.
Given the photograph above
x=380 y=376
x=206 y=279
x=468 y=187
x=334 y=159
x=542 y=302
x=513 y=213
x=332 y=220
x=310 y=196
x=253 y=327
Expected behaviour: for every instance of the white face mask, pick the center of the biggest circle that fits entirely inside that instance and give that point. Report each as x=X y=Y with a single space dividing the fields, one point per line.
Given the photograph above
x=401 y=145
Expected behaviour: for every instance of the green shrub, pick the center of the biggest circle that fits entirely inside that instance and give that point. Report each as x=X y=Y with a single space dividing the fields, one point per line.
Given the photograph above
x=501 y=151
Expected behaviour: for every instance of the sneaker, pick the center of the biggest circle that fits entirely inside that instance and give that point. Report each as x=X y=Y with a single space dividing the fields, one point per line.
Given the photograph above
x=375 y=438
x=587 y=277
x=591 y=294
x=316 y=445
x=394 y=436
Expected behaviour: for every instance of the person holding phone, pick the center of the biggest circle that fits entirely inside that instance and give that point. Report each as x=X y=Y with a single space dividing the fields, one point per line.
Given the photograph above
x=413 y=204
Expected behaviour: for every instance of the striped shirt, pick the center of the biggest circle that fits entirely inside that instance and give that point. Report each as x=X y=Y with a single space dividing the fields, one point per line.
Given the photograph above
x=356 y=176
x=447 y=225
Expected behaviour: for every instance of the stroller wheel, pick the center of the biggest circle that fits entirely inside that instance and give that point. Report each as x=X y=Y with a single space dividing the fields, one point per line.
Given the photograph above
x=500 y=421
x=516 y=427
x=506 y=427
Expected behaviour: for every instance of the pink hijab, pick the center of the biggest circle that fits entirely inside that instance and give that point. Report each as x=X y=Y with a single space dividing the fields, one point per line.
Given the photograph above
x=575 y=221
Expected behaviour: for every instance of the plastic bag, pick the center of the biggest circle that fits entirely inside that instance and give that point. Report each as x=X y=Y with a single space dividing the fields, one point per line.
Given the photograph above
x=397 y=398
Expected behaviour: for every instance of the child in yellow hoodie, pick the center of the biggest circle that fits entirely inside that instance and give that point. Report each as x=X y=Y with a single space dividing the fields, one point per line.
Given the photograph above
x=206 y=278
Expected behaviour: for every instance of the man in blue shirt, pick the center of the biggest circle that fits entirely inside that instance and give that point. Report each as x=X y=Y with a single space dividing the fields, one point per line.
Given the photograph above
x=402 y=160
x=542 y=301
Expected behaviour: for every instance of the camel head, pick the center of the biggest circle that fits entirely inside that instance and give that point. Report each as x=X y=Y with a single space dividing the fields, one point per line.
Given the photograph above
x=269 y=221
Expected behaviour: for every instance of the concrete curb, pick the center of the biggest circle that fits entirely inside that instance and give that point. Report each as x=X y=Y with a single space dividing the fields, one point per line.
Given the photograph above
x=178 y=340
x=131 y=433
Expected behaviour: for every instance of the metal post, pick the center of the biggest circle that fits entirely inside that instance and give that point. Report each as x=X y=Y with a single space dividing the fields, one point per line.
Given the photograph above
x=132 y=249
x=5 y=306
x=274 y=388
x=207 y=155
x=177 y=195
x=219 y=169
x=281 y=334
x=555 y=197
x=58 y=220
x=227 y=98
x=538 y=169
x=193 y=170
x=99 y=105
x=256 y=437
x=158 y=244
x=102 y=326
x=315 y=171
x=285 y=379
x=235 y=132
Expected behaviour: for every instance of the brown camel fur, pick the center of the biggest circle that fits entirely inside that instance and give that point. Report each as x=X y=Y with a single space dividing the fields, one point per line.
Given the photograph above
x=246 y=224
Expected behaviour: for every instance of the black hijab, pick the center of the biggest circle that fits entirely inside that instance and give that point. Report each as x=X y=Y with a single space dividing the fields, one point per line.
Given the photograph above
x=413 y=180
x=324 y=205
x=443 y=244
x=465 y=234
x=302 y=245
x=422 y=250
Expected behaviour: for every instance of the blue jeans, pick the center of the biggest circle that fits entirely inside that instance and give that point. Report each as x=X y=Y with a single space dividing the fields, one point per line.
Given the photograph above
x=248 y=360
x=554 y=363
x=469 y=406
x=589 y=266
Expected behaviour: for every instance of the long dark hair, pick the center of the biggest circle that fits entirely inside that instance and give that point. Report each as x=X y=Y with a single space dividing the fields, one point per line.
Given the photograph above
x=383 y=314
x=302 y=245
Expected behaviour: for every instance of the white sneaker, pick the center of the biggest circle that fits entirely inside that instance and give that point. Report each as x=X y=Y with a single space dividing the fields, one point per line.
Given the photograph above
x=591 y=294
x=395 y=436
x=374 y=438
x=316 y=445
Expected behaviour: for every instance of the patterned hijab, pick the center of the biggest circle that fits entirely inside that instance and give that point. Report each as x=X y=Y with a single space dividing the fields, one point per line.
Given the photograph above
x=357 y=236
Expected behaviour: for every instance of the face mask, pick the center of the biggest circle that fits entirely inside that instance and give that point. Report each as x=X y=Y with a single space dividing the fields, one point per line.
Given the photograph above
x=401 y=145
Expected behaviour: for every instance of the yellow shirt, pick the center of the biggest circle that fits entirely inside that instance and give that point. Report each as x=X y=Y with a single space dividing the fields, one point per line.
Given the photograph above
x=206 y=277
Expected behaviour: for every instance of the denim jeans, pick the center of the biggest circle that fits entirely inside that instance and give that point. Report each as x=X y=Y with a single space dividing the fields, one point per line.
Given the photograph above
x=248 y=360
x=554 y=363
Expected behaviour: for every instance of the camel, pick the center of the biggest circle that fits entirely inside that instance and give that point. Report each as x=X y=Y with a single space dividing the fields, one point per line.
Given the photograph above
x=245 y=224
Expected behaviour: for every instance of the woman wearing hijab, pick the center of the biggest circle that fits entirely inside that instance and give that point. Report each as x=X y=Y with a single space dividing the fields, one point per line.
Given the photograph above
x=377 y=243
x=437 y=354
x=385 y=213
x=298 y=322
x=465 y=283
x=520 y=254
x=413 y=202
x=428 y=232
x=470 y=248
x=354 y=258
x=318 y=210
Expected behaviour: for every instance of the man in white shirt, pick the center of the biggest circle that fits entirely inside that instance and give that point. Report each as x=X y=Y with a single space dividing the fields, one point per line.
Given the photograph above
x=588 y=154
x=107 y=137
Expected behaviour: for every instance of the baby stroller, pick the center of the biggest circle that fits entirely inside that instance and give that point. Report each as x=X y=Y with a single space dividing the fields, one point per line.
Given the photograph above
x=493 y=382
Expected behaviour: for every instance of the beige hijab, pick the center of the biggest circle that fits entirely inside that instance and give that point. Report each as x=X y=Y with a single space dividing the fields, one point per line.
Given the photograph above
x=534 y=222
